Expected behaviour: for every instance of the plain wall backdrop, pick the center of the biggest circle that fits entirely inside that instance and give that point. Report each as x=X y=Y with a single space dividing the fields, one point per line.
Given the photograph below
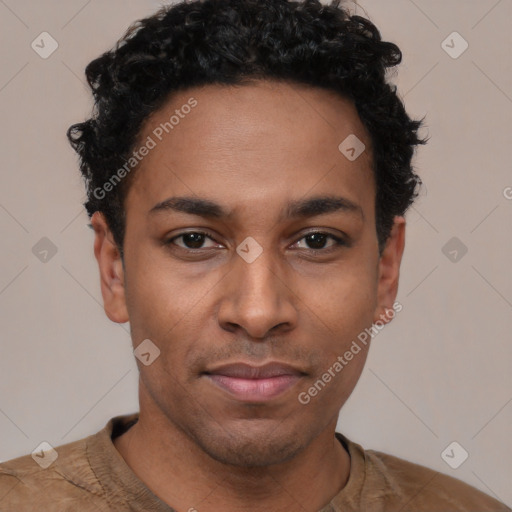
x=440 y=372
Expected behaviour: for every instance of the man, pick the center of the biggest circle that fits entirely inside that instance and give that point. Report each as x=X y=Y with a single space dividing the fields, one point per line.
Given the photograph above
x=247 y=168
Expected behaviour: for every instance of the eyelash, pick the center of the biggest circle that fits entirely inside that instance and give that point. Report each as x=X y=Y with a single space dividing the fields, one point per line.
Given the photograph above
x=338 y=242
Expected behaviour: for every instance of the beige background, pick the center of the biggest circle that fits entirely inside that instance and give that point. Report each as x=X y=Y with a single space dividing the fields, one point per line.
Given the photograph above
x=439 y=373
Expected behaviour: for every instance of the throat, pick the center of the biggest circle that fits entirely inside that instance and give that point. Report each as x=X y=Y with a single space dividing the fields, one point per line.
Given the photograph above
x=216 y=486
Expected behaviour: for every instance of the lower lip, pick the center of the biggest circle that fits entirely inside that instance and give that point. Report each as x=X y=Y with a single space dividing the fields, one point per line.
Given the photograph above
x=255 y=390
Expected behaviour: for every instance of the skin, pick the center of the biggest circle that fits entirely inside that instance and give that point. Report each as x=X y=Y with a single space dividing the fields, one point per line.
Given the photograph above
x=251 y=149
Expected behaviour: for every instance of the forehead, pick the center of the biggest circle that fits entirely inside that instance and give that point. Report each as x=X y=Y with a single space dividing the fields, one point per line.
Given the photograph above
x=263 y=141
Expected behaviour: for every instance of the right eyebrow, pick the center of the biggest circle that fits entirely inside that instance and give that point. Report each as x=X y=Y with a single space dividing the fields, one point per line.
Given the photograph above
x=192 y=206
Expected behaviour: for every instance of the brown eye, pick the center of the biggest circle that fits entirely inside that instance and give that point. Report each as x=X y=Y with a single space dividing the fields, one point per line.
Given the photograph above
x=191 y=240
x=317 y=241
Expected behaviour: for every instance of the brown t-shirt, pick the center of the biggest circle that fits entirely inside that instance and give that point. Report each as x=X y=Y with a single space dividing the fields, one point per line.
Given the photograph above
x=90 y=475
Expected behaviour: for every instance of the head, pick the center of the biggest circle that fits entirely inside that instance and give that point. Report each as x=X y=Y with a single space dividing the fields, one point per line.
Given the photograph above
x=231 y=223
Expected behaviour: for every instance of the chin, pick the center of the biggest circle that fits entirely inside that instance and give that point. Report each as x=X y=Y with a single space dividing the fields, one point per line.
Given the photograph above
x=250 y=449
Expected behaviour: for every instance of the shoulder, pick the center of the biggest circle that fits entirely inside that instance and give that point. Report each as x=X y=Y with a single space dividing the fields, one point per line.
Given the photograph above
x=423 y=488
x=380 y=482
x=56 y=476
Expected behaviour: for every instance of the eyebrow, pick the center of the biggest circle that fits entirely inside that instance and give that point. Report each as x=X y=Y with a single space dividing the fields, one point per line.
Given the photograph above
x=310 y=207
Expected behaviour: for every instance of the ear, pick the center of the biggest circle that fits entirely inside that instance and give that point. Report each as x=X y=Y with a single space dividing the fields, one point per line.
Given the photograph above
x=389 y=270
x=111 y=270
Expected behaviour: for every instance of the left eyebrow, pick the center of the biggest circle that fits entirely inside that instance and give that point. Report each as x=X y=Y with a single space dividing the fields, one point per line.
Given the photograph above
x=310 y=207
x=321 y=205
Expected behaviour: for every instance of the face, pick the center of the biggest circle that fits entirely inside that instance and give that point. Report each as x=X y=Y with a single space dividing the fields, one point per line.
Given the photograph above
x=250 y=239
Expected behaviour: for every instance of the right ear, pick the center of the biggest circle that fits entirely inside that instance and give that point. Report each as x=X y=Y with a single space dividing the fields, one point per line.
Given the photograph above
x=111 y=270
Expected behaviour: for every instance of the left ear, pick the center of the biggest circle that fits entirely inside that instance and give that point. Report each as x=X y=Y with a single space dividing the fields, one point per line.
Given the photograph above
x=389 y=270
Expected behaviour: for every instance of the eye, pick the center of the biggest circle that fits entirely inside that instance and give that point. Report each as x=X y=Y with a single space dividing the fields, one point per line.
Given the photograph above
x=191 y=240
x=316 y=241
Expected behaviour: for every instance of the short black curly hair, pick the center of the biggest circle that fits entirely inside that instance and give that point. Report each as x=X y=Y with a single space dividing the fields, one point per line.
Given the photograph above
x=201 y=42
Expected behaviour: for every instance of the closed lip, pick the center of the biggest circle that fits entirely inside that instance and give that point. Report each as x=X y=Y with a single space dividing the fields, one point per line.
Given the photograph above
x=247 y=371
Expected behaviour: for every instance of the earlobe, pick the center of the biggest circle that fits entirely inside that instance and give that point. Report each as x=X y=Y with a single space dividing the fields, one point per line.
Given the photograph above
x=389 y=271
x=111 y=270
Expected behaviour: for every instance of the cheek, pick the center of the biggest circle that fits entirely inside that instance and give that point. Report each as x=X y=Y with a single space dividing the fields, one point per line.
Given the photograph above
x=161 y=299
x=170 y=308
x=344 y=315
x=341 y=309
x=344 y=302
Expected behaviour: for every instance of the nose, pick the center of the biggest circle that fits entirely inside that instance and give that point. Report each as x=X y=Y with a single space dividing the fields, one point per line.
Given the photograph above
x=258 y=297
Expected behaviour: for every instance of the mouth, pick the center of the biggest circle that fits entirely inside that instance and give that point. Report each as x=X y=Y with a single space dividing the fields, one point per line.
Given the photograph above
x=254 y=383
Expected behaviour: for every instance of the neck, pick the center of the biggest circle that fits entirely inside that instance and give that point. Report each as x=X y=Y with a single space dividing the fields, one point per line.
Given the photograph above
x=182 y=475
